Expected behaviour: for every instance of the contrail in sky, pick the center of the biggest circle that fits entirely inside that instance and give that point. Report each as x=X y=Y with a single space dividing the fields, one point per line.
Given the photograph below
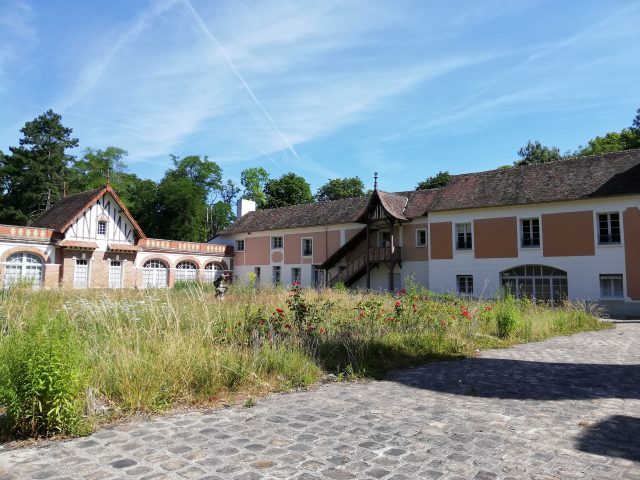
x=219 y=46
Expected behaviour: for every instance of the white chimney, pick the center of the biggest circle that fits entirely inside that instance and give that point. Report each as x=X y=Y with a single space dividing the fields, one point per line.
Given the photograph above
x=245 y=206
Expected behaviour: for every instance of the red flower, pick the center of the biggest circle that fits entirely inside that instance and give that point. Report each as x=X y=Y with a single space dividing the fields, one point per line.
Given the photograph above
x=323 y=330
x=398 y=303
x=361 y=314
x=279 y=310
x=402 y=291
x=287 y=326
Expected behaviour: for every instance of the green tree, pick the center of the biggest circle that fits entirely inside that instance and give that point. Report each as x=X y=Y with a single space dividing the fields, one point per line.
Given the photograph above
x=254 y=180
x=184 y=196
x=142 y=200
x=32 y=176
x=535 y=152
x=626 y=139
x=95 y=166
x=338 y=188
x=289 y=189
x=219 y=216
x=440 y=179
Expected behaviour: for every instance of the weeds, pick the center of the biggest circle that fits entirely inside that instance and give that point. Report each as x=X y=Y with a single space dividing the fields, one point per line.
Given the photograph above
x=148 y=351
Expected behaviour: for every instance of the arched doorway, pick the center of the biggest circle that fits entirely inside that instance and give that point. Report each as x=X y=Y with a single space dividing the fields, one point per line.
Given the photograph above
x=155 y=274
x=212 y=272
x=186 y=272
x=23 y=267
x=538 y=282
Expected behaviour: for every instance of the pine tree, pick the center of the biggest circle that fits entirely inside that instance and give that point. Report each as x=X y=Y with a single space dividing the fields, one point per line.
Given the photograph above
x=32 y=176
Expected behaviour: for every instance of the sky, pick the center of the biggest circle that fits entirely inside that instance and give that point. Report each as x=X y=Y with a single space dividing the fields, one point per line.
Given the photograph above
x=324 y=89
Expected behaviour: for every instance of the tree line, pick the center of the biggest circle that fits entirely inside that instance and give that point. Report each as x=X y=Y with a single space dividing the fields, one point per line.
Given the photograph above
x=192 y=201
x=535 y=152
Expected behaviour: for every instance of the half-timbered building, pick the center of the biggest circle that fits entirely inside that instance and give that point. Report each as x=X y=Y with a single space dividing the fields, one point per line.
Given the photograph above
x=90 y=240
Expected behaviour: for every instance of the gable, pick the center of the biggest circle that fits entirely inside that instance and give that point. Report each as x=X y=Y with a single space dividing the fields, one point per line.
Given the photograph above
x=105 y=208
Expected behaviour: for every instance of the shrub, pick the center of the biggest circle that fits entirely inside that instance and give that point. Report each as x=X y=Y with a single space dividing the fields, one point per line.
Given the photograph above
x=41 y=380
x=506 y=317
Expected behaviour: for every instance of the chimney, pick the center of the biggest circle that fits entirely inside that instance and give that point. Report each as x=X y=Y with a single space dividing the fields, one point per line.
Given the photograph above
x=245 y=206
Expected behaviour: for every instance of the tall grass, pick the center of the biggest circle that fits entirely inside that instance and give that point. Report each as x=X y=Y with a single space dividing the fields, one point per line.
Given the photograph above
x=147 y=351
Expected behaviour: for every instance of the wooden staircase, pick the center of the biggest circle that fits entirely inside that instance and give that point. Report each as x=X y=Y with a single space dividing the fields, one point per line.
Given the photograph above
x=358 y=266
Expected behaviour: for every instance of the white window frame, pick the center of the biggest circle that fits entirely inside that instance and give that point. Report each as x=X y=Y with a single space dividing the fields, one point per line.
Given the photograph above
x=186 y=271
x=238 y=243
x=212 y=272
x=152 y=274
x=29 y=268
x=418 y=243
x=100 y=224
x=293 y=274
x=611 y=278
x=274 y=241
x=276 y=279
x=302 y=247
x=76 y=263
x=468 y=281
x=597 y=222
x=120 y=266
x=470 y=232
x=522 y=231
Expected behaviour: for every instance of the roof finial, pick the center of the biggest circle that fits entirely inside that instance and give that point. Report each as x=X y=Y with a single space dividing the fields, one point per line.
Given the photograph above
x=375 y=181
x=108 y=177
x=64 y=188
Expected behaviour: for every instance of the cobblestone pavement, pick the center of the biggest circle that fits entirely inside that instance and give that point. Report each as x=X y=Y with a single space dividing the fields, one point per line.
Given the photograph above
x=565 y=408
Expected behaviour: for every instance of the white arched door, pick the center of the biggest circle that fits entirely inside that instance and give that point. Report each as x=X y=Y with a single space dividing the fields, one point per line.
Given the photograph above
x=212 y=272
x=155 y=274
x=22 y=268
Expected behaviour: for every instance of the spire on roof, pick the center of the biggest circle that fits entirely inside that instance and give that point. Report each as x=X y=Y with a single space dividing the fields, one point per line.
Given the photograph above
x=375 y=181
x=108 y=177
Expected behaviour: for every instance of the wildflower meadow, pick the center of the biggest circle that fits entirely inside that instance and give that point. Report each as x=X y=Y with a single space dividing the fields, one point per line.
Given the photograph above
x=70 y=360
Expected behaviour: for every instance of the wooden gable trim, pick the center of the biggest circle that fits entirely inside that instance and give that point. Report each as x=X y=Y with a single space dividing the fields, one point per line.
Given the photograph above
x=95 y=198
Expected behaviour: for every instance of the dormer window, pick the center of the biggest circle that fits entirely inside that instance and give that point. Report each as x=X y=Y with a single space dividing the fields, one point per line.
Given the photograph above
x=102 y=228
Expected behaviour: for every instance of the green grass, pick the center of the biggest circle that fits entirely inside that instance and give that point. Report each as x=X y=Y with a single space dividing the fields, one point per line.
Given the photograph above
x=106 y=354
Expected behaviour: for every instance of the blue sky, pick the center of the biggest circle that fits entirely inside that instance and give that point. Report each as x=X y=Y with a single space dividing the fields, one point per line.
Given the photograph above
x=326 y=88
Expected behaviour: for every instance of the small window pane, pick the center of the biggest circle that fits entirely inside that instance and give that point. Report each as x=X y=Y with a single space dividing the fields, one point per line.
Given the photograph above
x=240 y=245
x=276 y=242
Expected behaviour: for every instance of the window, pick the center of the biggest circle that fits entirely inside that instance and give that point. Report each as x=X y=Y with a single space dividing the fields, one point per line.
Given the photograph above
x=102 y=228
x=23 y=268
x=115 y=274
x=81 y=274
x=537 y=282
x=463 y=236
x=155 y=274
x=240 y=245
x=296 y=275
x=186 y=272
x=276 y=242
x=421 y=238
x=318 y=277
x=385 y=239
x=307 y=247
x=276 y=275
x=611 y=286
x=530 y=229
x=608 y=228
x=465 y=284
x=212 y=272
x=256 y=271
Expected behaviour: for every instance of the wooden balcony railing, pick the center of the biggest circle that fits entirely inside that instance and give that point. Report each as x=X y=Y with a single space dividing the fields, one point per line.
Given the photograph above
x=376 y=255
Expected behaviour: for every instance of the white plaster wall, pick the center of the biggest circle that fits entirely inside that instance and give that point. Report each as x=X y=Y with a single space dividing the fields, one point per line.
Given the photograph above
x=119 y=228
x=46 y=249
x=582 y=271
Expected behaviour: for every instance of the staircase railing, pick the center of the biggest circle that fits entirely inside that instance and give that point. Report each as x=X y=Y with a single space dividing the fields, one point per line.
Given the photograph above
x=376 y=254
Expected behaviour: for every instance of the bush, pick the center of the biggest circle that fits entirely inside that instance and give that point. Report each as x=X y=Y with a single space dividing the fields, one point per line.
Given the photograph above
x=506 y=318
x=41 y=380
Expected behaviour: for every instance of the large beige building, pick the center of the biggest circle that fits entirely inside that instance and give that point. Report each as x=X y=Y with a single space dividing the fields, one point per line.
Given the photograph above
x=90 y=240
x=568 y=229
